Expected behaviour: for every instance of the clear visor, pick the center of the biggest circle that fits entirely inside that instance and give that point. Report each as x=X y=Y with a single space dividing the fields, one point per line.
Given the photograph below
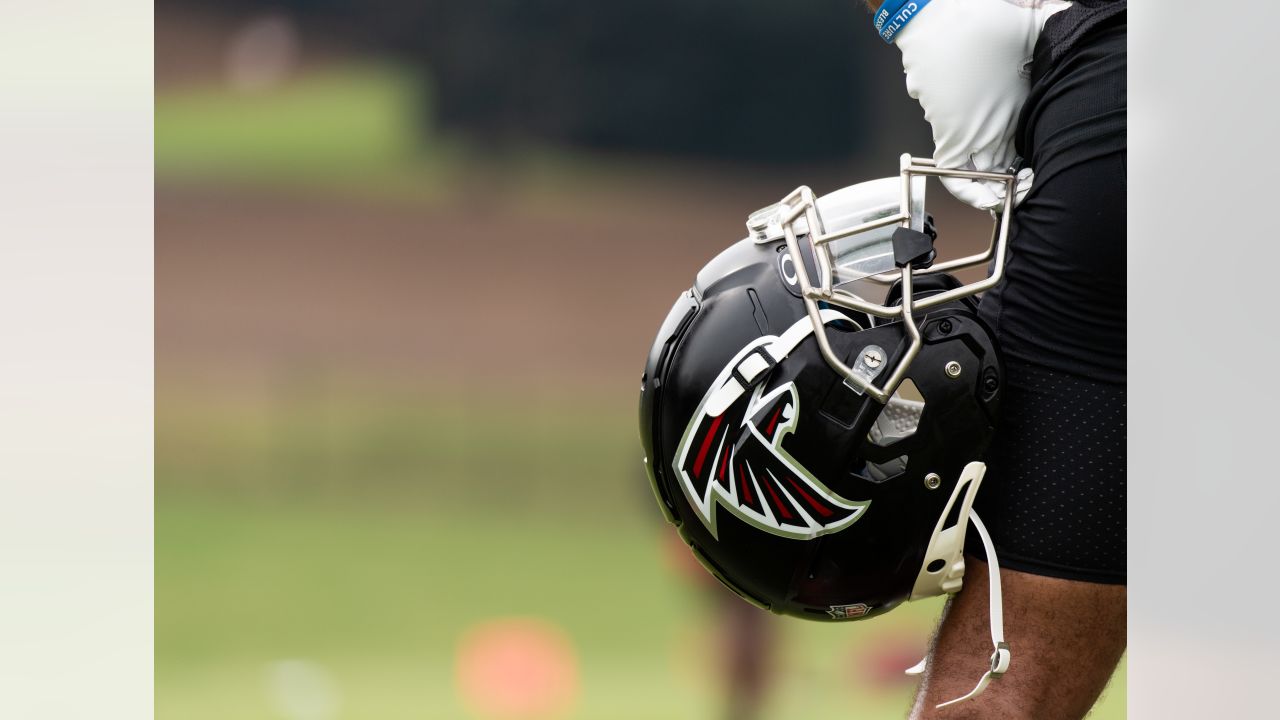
x=868 y=252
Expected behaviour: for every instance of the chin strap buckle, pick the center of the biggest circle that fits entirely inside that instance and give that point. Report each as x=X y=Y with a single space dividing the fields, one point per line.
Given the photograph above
x=1000 y=660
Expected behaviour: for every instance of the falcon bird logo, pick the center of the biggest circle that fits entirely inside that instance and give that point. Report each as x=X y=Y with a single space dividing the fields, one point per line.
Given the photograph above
x=735 y=459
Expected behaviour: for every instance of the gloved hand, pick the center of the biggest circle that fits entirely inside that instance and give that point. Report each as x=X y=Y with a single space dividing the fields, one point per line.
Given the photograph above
x=968 y=63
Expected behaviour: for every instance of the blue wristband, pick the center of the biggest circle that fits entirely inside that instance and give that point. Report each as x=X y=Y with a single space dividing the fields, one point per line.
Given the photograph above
x=894 y=15
x=887 y=8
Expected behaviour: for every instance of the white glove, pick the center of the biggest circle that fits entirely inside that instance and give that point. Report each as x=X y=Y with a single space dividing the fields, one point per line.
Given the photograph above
x=968 y=62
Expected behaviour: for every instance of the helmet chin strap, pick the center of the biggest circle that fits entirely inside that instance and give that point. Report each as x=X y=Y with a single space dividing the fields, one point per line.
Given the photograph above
x=754 y=365
x=1000 y=657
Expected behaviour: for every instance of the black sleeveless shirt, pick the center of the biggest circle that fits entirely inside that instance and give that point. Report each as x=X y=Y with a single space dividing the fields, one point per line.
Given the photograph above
x=1062 y=33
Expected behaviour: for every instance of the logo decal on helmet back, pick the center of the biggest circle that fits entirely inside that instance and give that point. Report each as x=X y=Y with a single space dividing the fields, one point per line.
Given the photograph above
x=735 y=459
x=848 y=612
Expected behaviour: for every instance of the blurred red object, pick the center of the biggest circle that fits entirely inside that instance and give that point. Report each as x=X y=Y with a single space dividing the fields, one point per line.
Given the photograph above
x=517 y=669
x=883 y=659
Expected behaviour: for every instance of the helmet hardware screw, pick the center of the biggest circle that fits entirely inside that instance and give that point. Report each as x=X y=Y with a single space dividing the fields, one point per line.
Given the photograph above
x=952 y=369
x=945 y=327
x=933 y=481
x=872 y=358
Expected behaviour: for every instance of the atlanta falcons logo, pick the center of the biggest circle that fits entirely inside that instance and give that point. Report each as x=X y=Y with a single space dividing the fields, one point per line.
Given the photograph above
x=735 y=459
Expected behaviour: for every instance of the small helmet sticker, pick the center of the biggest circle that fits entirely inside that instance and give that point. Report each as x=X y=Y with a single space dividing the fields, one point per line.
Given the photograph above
x=848 y=612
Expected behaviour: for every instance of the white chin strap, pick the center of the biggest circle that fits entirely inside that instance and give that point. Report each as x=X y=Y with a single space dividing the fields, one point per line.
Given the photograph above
x=1000 y=657
x=761 y=360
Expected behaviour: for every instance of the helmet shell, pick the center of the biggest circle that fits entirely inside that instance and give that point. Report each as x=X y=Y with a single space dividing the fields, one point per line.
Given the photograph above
x=845 y=440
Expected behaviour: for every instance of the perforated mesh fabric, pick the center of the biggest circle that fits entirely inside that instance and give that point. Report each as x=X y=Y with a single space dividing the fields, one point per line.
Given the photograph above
x=1054 y=494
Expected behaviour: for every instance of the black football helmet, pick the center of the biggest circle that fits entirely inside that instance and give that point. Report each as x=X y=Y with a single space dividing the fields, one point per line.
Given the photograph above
x=817 y=450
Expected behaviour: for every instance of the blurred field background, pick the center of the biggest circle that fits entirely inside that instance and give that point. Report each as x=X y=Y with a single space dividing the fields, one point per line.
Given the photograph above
x=409 y=258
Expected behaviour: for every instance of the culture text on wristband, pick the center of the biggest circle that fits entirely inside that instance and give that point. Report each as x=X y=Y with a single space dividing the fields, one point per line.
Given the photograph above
x=894 y=15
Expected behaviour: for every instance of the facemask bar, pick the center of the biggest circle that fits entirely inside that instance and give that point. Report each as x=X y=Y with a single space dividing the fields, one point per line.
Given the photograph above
x=802 y=203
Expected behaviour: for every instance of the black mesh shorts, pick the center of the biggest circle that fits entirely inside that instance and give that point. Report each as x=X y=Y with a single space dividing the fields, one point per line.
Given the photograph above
x=1054 y=493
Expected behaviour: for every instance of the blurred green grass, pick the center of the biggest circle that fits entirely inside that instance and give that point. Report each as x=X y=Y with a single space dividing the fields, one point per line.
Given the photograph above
x=350 y=126
x=380 y=598
x=376 y=578
x=363 y=129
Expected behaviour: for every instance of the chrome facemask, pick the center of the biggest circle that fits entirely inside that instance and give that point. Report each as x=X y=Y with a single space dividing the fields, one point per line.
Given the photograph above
x=849 y=235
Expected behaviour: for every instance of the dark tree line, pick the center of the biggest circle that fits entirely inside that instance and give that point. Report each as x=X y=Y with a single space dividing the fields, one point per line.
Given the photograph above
x=751 y=80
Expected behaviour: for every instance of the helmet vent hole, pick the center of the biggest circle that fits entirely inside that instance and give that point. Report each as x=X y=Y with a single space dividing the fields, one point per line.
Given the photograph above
x=884 y=471
x=757 y=312
x=936 y=565
x=907 y=390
